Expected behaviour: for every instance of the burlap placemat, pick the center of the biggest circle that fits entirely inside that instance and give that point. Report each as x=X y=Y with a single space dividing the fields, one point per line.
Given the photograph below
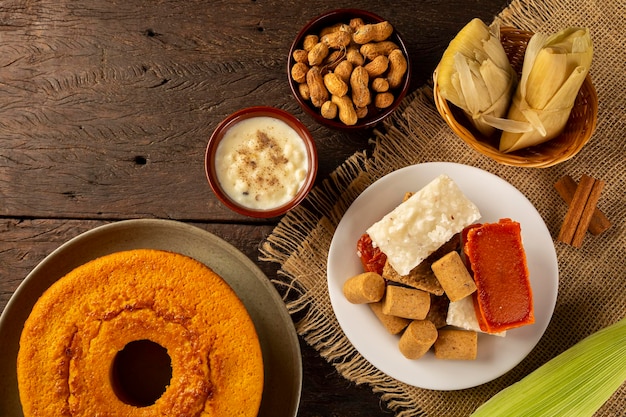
x=592 y=287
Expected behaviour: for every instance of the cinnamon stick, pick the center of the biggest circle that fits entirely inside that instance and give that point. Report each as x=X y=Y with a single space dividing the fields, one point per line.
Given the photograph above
x=566 y=187
x=575 y=211
x=587 y=214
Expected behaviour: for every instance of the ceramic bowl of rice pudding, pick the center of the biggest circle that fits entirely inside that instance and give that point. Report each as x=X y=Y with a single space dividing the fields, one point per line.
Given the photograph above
x=261 y=162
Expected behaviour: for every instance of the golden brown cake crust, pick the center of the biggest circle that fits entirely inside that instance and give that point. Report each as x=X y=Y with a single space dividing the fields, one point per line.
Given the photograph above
x=79 y=324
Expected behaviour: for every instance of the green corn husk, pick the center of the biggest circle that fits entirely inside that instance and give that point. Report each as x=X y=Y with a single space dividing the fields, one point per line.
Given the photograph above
x=475 y=75
x=553 y=72
x=576 y=383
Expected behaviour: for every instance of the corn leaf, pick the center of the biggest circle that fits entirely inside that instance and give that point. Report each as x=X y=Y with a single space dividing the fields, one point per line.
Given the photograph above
x=575 y=383
x=549 y=72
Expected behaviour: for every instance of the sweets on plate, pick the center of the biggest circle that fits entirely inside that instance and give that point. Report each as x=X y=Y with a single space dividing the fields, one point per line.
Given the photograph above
x=443 y=301
x=372 y=258
x=422 y=276
x=438 y=310
x=462 y=314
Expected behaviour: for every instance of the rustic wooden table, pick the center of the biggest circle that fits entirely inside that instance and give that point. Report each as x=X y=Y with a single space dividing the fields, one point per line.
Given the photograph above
x=106 y=108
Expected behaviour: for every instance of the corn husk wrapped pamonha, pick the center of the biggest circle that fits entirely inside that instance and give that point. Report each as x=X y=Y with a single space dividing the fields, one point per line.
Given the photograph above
x=475 y=75
x=553 y=71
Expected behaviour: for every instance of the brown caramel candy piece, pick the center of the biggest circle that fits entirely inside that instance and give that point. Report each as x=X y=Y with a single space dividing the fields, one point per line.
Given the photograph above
x=456 y=344
x=418 y=337
x=409 y=303
x=453 y=276
x=367 y=287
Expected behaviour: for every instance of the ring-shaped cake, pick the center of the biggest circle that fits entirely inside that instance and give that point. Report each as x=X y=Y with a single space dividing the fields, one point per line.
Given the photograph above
x=78 y=327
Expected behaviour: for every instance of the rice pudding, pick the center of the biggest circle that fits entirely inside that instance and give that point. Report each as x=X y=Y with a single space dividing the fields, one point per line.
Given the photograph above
x=261 y=163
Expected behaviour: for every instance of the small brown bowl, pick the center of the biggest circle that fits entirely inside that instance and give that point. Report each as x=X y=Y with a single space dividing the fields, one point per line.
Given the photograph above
x=374 y=115
x=580 y=125
x=216 y=138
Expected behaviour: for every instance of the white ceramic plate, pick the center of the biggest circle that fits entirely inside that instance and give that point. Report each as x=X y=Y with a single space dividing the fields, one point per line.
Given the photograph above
x=495 y=199
x=279 y=342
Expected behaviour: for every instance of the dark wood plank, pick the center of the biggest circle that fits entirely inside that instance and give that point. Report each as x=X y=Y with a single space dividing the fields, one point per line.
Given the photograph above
x=107 y=107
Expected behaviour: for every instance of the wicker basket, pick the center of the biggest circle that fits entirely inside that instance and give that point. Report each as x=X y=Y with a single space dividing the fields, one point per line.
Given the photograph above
x=580 y=125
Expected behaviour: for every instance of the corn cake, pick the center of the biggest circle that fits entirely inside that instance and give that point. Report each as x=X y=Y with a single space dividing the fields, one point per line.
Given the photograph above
x=71 y=340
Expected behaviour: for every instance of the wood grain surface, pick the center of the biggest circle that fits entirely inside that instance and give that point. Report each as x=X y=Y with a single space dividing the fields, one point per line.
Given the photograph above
x=106 y=108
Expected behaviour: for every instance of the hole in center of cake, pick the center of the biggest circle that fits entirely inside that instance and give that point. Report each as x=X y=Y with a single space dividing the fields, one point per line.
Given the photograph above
x=141 y=373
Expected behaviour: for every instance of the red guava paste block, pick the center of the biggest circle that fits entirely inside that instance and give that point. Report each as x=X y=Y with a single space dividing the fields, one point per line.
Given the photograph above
x=503 y=299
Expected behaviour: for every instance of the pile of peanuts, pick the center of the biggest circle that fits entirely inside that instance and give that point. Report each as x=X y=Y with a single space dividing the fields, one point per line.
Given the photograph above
x=347 y=67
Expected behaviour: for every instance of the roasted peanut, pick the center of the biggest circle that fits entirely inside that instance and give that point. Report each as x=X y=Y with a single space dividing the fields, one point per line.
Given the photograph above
x=361 y=112
x=373 y=32
x=300 y=55
x=337 y=40
x=298 y=72
x=343 y=70
x=383 y=100
x=337 y=27
x=335 y=85
x=317 y=90
x=347 y=113
x=303 y=90
x=333 y=59
x=377 y=66
x=397 y=68
x=317 y=54
x=328 y=110
x=359 y=82
x=356 y=23
x=380 y=85
x=373 y=49
x=354 y=56
x=309 y=42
